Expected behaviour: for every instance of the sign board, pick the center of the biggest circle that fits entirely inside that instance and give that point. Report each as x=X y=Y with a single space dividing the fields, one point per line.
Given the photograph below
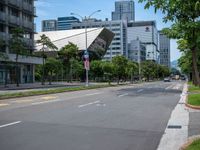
x=87 y=64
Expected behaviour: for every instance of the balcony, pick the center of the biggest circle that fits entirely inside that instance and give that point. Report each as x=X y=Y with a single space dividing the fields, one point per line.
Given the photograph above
x=26 y=59
x=28 y=7
x=2 y=35
x=16 y=3
x=28 y=24
x=14 y=20
x=2 y=16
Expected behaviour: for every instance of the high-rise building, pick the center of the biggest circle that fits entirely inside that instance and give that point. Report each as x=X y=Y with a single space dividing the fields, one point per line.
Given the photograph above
x=147 y=33
x=49 y=25
x=17 y=13
x=119 y=43
x=164 y=44
x=124 y=10
x=136 y=51
x=64 y=23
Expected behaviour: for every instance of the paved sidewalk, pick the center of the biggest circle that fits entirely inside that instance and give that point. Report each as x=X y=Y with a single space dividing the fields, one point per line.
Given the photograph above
x=38 y=85
x=194 y=124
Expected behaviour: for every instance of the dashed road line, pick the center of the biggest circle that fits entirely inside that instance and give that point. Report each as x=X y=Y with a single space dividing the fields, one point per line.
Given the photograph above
x=10 y=124
x=1 y=105
x=123 y=95
x=88 y=104
x=138 y=91
x=93 y=94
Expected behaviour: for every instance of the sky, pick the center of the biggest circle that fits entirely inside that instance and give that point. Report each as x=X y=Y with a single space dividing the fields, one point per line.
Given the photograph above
x=51 y=9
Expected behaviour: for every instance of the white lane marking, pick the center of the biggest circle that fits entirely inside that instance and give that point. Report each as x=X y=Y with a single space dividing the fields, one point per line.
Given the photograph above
x=44 y=102
x=138 y=91
x=92 y=94
x=84 y=105
x=52 y=101
x=10 y=124
x=123 y=95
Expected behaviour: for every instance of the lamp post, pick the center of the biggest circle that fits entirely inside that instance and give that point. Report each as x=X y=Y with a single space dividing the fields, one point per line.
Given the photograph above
x=86 y=53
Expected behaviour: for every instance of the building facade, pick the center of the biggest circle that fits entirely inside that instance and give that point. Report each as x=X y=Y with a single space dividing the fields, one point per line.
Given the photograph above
x=164 y=44
x=119 y=43
x=124 y=10
x=147 y=33
x=136 y=51
x=64 y=23
x=17 y=13
x=49 y=25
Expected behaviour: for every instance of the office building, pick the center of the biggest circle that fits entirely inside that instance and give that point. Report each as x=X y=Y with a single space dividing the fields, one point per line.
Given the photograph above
x=119 y=43
x=124 y=10
x=64 y=23
x=49 y=25
x=136 y=51
x=164 y=44
x=17 y=13
x=147 y=33
x=98 y=40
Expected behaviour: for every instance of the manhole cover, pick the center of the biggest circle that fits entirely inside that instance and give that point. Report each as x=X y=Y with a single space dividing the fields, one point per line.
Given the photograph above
x=174 y=127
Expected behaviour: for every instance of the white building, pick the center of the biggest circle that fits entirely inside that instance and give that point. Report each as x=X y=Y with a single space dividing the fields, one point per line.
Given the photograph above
x=147 y=33
x=97 y=39
x=119 y=43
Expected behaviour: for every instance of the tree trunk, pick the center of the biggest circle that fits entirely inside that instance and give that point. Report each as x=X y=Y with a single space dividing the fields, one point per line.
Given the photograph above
x=196 y=78
x=16 y=71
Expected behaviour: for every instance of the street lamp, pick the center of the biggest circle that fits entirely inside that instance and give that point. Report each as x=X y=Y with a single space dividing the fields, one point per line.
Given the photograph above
x=86 y=54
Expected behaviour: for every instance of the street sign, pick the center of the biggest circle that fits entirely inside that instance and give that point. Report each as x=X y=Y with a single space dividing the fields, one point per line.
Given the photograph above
x=86 y=54
x=87 y=64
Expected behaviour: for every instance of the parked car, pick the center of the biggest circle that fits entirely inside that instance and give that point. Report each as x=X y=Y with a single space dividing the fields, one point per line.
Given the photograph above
x=167 y=79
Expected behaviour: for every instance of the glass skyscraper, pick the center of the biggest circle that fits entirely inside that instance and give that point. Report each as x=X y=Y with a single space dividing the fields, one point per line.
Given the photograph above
x=64 y=23
x=124 y=10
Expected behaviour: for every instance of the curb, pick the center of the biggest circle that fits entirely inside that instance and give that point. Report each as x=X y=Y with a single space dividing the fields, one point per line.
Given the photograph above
x=189 y=141
x=191 y=106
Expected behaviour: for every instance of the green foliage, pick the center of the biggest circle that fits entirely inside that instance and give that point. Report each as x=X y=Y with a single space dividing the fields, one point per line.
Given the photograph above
x=96 y=68
x=52 y=66
x=120 y=63
x=149 y=69
x=186 y=25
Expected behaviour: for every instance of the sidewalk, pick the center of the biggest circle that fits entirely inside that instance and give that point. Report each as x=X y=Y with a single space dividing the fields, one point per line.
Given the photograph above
x=38 y=85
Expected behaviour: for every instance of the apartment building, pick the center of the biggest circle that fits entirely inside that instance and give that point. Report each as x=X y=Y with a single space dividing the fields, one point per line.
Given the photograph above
x=17 y=13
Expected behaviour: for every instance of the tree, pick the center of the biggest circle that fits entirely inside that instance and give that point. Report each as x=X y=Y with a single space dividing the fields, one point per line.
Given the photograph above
x=186 y=24
x=52 y=66
x=120 y=63
x=131 y=69
x=66 y=53
x=46 y=44
x=149 y=69
x=108 y=70
x=17 y=47
x=96 y=69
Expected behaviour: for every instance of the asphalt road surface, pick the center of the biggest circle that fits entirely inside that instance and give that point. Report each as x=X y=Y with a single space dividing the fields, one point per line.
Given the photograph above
x=118 y=118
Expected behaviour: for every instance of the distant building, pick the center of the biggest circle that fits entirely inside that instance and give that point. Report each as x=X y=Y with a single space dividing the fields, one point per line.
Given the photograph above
x=164 y=44
x=119 y=43
x=147 y=33
x=98 y=39
x=136 y=51
x=49 y=25
x=64 y=23
x=124 y=10
x=14 y=14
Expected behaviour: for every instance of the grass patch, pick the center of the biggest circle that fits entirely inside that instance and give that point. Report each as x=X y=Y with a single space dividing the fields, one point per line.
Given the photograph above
x=50 y=91
x=193 y=88
x=194 y=99
x=194 y=146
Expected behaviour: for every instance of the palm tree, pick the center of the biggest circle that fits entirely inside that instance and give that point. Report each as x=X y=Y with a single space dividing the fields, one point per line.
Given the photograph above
x=46 y=44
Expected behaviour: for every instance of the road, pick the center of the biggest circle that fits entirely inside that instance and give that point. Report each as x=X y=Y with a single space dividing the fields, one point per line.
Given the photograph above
x=118 y=118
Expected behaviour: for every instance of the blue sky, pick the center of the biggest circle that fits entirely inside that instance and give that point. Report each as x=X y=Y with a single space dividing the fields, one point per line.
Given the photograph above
x=51 y=9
